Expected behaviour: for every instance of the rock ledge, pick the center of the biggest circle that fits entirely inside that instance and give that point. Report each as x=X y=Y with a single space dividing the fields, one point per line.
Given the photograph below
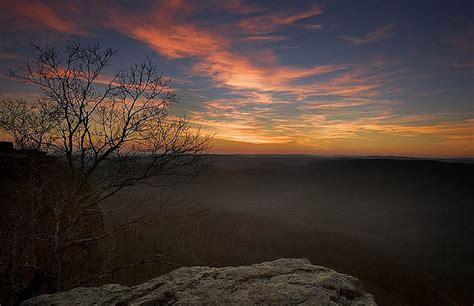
x=283 y=281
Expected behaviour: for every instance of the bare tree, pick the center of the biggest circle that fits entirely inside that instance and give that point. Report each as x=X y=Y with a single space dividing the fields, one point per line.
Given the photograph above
x=128 y=118
x=105 y=133
x=27 y=123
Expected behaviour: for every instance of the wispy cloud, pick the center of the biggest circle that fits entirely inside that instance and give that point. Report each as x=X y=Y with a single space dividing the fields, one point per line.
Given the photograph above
x=169 y=34
x=375 y=36
x=263 y=97
x=164 y=29
x=266 y=23
x=315 y=26
x=240 y=72
x=263 y=38
x=57 y=18
x=265 y=88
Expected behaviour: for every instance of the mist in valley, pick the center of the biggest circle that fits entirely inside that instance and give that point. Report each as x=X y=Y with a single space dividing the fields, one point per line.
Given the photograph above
x=402 y=226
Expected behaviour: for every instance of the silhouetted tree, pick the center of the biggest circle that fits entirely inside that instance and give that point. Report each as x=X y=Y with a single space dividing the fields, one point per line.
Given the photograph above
x=103 y=134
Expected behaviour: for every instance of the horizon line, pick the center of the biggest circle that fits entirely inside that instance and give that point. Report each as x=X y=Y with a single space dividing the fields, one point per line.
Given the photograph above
x=346 y=155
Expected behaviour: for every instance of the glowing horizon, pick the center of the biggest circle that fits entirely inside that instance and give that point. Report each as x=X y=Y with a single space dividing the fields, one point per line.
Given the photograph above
x=330 y=78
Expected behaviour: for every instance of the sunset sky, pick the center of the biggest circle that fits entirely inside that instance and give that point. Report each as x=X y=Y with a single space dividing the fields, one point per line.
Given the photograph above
x=340 y=77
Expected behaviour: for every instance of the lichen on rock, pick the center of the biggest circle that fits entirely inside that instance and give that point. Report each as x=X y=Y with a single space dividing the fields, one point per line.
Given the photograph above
x=283 y=281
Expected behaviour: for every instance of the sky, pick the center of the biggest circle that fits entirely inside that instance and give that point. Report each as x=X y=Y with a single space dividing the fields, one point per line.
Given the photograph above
x=334 y=77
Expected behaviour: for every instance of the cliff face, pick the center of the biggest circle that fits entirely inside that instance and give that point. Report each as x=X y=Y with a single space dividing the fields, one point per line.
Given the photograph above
x=283 y=281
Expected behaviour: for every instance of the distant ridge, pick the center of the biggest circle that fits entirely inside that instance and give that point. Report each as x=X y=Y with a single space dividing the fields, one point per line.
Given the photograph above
x=462 y=160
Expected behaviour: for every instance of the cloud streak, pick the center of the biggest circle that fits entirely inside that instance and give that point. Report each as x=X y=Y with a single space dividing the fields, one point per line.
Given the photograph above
x=44 y=15
x=372 y=37
x=247 y=91
x=168 y=33
x=266 y=23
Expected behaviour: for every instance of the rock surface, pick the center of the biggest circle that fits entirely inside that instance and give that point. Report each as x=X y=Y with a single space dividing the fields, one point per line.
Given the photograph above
x=283 y=281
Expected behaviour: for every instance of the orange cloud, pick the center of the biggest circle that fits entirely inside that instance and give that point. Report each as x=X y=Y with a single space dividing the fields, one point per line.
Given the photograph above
x=178 y=41
x=337 y=104
x=271 y=107
x=220 y=145
x=238 y=71
x=166 y=31
x=47 y=16
x=359 y=126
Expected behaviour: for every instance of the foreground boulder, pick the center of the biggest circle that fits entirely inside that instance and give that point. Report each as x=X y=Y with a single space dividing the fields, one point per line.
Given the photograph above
x=283 y=281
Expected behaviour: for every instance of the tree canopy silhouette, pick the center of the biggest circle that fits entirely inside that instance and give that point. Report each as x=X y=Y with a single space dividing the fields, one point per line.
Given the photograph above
x=101 y=133
x=95 y=122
